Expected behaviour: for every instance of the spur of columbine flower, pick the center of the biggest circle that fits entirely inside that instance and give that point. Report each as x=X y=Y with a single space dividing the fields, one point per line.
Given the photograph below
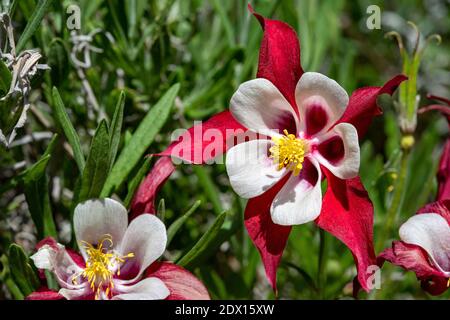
x=118 y=261
x=443 y=174
x=322 y=127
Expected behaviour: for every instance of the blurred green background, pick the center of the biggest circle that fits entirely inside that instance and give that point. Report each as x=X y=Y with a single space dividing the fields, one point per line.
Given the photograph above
x=210 y=47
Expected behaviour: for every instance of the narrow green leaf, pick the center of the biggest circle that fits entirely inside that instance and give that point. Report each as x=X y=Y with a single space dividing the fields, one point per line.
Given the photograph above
x=116 y=128
x=220 y=8
x=176 y=225
x=5 y=277
x=202 y=245
x=12 y=7
x=51 y=145
x=33 y=23
x=136 y=181
x=35 y=184
x=97 y=164
x=58 y=61
x=71 y=135
x=5 y=77
x=161 y=210
x=131 y=11
x=209 y=187
x=21 y=271
x=141 y=140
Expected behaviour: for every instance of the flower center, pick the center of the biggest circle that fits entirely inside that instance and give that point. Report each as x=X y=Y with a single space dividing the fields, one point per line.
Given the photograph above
x=101 y=265
x=289 y=152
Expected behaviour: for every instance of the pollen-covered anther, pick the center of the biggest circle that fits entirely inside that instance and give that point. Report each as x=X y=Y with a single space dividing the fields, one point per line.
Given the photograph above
x=289 y=152
x=102 y=265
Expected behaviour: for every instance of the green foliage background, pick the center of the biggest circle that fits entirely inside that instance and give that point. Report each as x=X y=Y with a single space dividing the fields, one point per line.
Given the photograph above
x=208 y=47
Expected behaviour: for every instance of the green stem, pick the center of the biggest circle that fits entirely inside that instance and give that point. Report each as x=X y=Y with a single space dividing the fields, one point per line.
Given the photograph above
x=321 y=273
x=397 y=199
x=14 y=289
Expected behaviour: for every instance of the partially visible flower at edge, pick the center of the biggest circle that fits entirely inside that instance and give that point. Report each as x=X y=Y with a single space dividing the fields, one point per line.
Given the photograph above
x=423 y=247
x=346 y=212
x=118 y=261
x=424 y=238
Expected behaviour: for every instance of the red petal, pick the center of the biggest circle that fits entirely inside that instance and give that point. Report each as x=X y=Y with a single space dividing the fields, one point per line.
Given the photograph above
x=443 y=174
x=44 y=293
x=409 y=257
x=444 y=163
x=441 y=207
x=192 y=147
x=347 y=213
x=269 y=238
x=144 y=199
x=414 y=258
x=193 y=144
x=435 y=285
x=445 y=110
x=49 y=241
x=363 y=106
x=442 y=99
x=182 y=284
x=279 y=56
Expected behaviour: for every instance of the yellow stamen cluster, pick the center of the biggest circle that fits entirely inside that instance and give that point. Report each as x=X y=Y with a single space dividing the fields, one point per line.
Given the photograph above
x=100 y=266
x=289 y=152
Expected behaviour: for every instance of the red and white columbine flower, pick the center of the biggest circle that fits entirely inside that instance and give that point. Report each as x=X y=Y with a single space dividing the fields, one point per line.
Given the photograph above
x=321 y=120
x=424 y=247
x=308 y=140
x=118 y=261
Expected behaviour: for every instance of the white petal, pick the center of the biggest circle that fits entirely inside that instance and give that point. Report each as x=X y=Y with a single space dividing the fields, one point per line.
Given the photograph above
x=315 y=89
x=146 y=238
x=348 y=166
x=42 y=259
x=259 y=106
x=250 y=169
x=93 y=219
x=58 y=261
x=431 y=232
x=77 y=294
x=147 y=289
x=299 y=201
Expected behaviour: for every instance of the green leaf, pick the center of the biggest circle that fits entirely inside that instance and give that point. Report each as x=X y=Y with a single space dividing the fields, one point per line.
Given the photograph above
x=5 y=277
x=58 y=61
x=116 y=128
x=97 y=164
x=5 y=77
x=209 y=187
x=161 y=210
x=34 y=23
x=189 y=259
x=21 y=271
x=221 y=11
x=35 y=184
x=136 y=181
x=51 y=146
x=176 y=225
x=71 y=135
x=141 y=140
